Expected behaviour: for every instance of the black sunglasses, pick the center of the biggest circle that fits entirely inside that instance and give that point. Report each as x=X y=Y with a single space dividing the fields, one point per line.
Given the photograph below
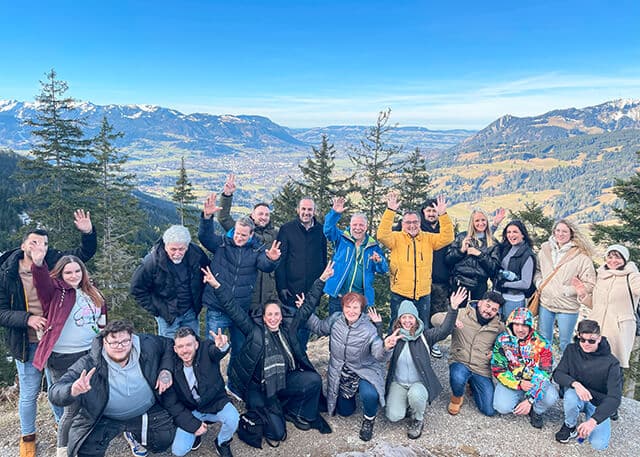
x=588 y=340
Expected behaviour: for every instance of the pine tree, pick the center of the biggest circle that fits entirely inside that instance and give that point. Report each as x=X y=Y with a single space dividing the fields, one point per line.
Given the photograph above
x=414 y=181
x=537 y=223
x=285 y=203
x=376 y=167
x=58 y=169
x=318 y=178
x=184 y=197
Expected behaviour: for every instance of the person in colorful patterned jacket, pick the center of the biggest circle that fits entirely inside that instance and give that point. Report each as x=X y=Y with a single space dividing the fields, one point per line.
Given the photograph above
x=358 y=257
x=522 y=362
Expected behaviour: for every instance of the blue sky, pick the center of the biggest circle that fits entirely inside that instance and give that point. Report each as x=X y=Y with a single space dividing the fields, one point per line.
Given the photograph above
x=454 y=64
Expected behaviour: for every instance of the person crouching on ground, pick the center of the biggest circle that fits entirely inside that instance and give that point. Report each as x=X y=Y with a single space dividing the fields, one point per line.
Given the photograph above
x=411 y=381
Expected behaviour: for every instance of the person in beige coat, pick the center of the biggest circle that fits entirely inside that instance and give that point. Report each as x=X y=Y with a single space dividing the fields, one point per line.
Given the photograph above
x=567 y=255
x=614 y=300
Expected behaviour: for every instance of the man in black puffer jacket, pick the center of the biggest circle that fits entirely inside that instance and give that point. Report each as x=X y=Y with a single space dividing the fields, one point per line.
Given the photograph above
x=592 y=378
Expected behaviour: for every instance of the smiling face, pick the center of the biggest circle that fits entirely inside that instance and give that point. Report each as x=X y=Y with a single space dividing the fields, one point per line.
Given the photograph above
x=186 y=348
x=430 y=214
x=272 y=316
x=562 y=234
x=176 y=251
x=408 y=321
x=520 y=330
x=306 y=211
x=241 y=234
x=514 y=235
x=411 y=224
x=614 y=260
x=118 y=346
x=487 y=308
x=72 y=274
x=358 y=227
x=589 y=341
x=479 y=222
x=261 y=215
x=352 y=310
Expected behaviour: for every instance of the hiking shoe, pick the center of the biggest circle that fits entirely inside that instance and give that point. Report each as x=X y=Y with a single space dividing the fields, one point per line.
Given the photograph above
x=299 y=422
x=224 y=449
x=366 y=431
x=455 y=404
x=197 y=443
x=535 y=419
x=436 y=352
x=566 y=433
x=415 y=429
x=137 y=449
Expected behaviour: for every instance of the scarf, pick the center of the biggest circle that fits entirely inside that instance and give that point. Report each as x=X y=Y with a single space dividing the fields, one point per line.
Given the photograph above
x=276 y=365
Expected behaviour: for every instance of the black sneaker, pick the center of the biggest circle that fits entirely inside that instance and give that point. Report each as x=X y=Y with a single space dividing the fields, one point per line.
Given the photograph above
x=615 y=416
x=299 y=422
x=224 y=449
x=366 y=431
x=535 y=419
x=197 y=443
x=566 y=433
x=415 y=429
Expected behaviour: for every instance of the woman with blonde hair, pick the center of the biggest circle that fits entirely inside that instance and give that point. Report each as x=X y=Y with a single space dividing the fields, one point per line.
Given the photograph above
x=565 y=256
x=469 y=256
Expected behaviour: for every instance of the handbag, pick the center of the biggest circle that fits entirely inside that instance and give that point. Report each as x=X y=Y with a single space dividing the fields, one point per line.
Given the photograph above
x=534 y=302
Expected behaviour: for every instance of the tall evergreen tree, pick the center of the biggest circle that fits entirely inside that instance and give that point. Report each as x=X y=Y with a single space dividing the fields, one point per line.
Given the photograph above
x=58 y=168
x=376 y=164
x=537 y=223
x=414 y=180
x=285 y=203
x=318 y=178
x=184 y=197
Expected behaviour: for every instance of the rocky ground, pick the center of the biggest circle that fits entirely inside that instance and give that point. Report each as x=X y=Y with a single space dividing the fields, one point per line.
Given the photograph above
x=468 y=434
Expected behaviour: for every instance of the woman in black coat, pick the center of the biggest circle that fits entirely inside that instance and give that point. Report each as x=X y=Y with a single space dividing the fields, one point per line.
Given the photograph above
x=272 y=372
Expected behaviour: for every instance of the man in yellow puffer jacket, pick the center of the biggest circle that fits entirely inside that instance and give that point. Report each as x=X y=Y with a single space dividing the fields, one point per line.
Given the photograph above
x=411 y=255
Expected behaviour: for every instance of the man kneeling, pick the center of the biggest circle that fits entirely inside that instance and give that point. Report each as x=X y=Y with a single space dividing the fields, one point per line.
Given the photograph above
x=593 y=379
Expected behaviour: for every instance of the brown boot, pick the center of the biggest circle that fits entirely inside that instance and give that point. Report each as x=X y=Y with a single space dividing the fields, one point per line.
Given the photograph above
x=455 y=404
x=28 y=446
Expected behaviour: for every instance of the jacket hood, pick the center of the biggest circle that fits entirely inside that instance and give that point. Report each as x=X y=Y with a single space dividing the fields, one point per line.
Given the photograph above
x=604 y=348
x=407 y=307
x=520 y=316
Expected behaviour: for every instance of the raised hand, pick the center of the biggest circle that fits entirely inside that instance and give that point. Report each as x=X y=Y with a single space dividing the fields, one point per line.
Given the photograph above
x=338 y=204
x=273 y=253
x=219 y=339
x=37 y=252
x=328 y=271
x=299 y=300
x=82 y=385
x=209 y=278
x=458 y=297
x=391 y=340
x=164 y=381
x=210 y=206
x=392 y=200
x=373 y=314
x=440 y=205
x=82 y=221
x=499 y=216
x=229 y=185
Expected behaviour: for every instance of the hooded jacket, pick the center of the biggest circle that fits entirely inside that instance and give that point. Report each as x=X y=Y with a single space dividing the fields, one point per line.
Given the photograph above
x=529 y=359
x=345 y=251
x=14 y=310
x=153 y=285
x=411 y=258
x=612 y=308
x=419 y=346
x=599 y=372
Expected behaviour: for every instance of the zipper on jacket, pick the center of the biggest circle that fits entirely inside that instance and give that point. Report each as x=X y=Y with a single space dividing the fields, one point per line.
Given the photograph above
x=415 y=270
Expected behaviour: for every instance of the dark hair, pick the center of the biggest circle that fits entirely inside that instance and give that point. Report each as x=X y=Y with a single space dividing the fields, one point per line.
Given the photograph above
x=261 y=204
x=494 y=296
x=521 y=227
x=117 y=327
x=86 y=284
x=183 y=332
x=38 y=231
x=353 y=296
x=588 y=326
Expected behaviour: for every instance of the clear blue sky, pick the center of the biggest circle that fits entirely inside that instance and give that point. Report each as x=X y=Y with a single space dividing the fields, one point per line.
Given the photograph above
x=313 y=63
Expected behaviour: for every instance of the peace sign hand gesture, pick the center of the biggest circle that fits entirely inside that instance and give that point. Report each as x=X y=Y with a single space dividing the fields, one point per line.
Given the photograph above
x=229 y=185
x=220 y=339
x=391 y=340
x=274 y=253
x=82 y=385
x=208 y=277
x=300 y=300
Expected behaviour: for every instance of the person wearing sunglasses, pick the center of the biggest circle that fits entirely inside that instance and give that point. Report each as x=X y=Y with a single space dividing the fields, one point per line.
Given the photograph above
x=592 y=379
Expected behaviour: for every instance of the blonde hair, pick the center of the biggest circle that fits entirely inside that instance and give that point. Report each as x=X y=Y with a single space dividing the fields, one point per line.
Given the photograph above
x=581 y=241
x=471 y=230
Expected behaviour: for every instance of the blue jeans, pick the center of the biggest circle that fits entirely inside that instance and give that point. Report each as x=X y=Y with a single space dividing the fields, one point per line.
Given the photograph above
x=368 y=396
x=423 y=305
x=188 y=319
x=227 y=416
x=566 y=326
x=215 y=320
x=30 y=380
x=509 y=306
x=481 y=386
x=573 y=406
x=505 y=399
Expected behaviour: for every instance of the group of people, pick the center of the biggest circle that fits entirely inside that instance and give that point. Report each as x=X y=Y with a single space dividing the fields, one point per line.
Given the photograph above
x=261 y=288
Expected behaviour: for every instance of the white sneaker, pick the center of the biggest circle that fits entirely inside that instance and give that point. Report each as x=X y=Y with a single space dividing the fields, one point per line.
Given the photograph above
x=137 y=449
x=436 y=352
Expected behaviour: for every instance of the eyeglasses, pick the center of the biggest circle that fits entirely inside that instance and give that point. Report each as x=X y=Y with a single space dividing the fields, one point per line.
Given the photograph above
x=588 y=340
x=411 y=222
x=118 y=344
